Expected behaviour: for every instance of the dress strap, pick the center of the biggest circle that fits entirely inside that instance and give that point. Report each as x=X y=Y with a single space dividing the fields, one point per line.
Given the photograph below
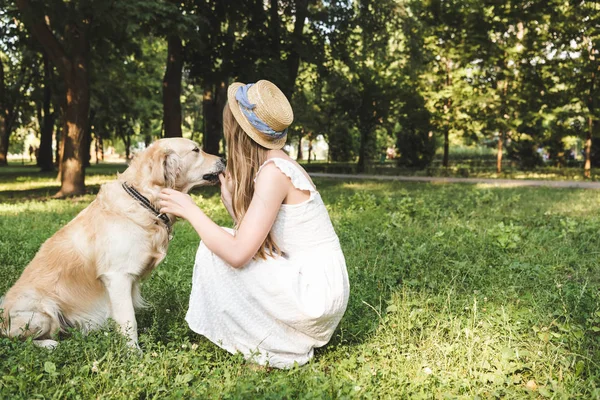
x=298 y=178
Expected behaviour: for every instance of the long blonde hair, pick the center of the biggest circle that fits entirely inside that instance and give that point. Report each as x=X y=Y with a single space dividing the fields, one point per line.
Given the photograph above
x=244 y=158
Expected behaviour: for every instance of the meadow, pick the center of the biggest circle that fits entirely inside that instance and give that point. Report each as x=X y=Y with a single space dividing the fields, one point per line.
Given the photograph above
x=457 y=291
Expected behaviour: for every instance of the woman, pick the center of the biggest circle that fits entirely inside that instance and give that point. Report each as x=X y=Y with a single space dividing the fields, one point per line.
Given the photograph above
x=276 y=287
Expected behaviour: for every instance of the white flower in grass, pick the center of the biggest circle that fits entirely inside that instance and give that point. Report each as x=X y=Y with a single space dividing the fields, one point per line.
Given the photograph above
x=428 y=370
x=154 y=354
x=194 y=346
x=95 y=367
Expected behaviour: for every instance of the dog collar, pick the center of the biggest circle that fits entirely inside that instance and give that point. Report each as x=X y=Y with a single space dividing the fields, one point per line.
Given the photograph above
x=143 y=200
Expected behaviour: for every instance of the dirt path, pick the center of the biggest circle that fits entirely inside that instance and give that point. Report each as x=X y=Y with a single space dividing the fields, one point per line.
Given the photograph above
x=494 y=182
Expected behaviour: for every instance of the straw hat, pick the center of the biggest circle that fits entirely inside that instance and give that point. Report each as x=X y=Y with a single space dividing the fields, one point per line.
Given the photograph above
x=271 y=106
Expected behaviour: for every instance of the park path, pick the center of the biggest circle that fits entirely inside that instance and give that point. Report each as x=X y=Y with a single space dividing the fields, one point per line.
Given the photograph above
x=494 y=182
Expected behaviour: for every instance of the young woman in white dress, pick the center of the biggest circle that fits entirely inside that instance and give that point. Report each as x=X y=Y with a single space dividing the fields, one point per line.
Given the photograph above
x=276 y=287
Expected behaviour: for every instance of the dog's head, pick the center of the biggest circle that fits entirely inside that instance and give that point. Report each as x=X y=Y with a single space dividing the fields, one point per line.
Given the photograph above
x=179 y=164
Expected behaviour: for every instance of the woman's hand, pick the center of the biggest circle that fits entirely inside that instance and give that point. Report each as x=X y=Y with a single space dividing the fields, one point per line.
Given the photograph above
x=226 y=188
x=176 y=203
x=272 y=187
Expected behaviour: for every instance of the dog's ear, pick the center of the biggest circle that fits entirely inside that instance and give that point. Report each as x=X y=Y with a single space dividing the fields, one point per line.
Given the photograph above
x=165 y=167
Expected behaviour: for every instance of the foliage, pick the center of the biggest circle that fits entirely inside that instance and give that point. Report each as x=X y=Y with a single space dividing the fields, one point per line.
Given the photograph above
x=418 y=75
x=414 y=138
x=456 y=291
x=126 y=94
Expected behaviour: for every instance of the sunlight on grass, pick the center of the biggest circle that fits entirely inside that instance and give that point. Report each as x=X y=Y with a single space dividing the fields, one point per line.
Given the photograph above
x=31 y=183
x=50 y=206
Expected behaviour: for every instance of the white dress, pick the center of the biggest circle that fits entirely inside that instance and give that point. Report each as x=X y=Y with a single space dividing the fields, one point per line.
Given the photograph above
x=276 y=311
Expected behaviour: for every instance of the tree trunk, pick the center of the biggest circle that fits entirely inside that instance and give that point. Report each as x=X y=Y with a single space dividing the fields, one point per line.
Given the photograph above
x=293 y=60
x=9 y=111
x=499 y=156
x=3 y=119
x=587 y=169
x=58 y=141
x=274 y=28
x=503 y=113
x=447 y=105
x=73 y=68
x=172 y=88
x=97 y=149
x=72 y=163
x=127 y=141
x=362 y=151
x=101 y=147
x=3 y=141
x=147 y=132
x=446 y=145
x=87 y=146
x=299 y=155
x=213 y=102
x=44 y=159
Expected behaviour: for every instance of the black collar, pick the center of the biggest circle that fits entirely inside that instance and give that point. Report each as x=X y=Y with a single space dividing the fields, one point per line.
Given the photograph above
x=146 y=204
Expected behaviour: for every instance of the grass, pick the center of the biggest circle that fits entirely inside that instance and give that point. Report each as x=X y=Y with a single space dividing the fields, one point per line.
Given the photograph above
x=458 y=291
x=479 y=162
x=461 y=169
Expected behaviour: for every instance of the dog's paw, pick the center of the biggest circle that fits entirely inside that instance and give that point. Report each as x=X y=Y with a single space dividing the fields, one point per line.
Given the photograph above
x=47 y=343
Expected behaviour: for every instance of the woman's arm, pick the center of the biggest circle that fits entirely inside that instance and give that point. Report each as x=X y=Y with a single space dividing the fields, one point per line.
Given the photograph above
x=270 y=190
x=226 y=187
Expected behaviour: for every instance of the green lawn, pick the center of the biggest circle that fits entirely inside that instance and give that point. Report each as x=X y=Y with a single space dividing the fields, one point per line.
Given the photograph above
x=457 y=291
x=459 y=169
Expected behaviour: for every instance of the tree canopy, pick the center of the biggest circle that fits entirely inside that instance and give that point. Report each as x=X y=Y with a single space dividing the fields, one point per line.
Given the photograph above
x=418 y=76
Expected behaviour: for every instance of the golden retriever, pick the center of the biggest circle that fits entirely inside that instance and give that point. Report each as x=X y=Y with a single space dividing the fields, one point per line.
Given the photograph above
x=90 y=270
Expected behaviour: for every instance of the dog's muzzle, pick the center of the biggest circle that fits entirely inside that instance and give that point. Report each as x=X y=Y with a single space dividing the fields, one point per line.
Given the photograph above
x=214 y=176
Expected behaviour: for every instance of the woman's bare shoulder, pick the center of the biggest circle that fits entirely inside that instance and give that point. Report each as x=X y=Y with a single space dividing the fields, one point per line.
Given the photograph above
x=282 y=155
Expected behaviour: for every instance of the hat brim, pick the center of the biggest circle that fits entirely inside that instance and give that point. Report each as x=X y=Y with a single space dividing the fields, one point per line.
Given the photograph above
x=250 y=130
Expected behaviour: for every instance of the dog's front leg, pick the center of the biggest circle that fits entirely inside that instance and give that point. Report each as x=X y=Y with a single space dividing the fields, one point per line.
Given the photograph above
x=119 y=287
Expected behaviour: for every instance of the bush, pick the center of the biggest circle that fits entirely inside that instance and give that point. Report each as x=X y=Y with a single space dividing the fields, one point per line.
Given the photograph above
x=343 y=143
x=525 y=154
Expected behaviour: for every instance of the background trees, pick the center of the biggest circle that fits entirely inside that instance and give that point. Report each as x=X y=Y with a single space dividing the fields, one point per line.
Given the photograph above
x=419 y=76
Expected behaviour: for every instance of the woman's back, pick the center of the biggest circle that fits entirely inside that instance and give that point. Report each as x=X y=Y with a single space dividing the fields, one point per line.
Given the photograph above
x=306 y=225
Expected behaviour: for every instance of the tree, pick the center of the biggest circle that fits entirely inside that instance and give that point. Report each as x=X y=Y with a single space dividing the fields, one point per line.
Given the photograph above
x=172 y=87
x=365 y=54
x=72 y=62
x=451 y=34
x=17 y=70
x=46 y=119
x=126 y=96
x=577 y=28
x=247 y=41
